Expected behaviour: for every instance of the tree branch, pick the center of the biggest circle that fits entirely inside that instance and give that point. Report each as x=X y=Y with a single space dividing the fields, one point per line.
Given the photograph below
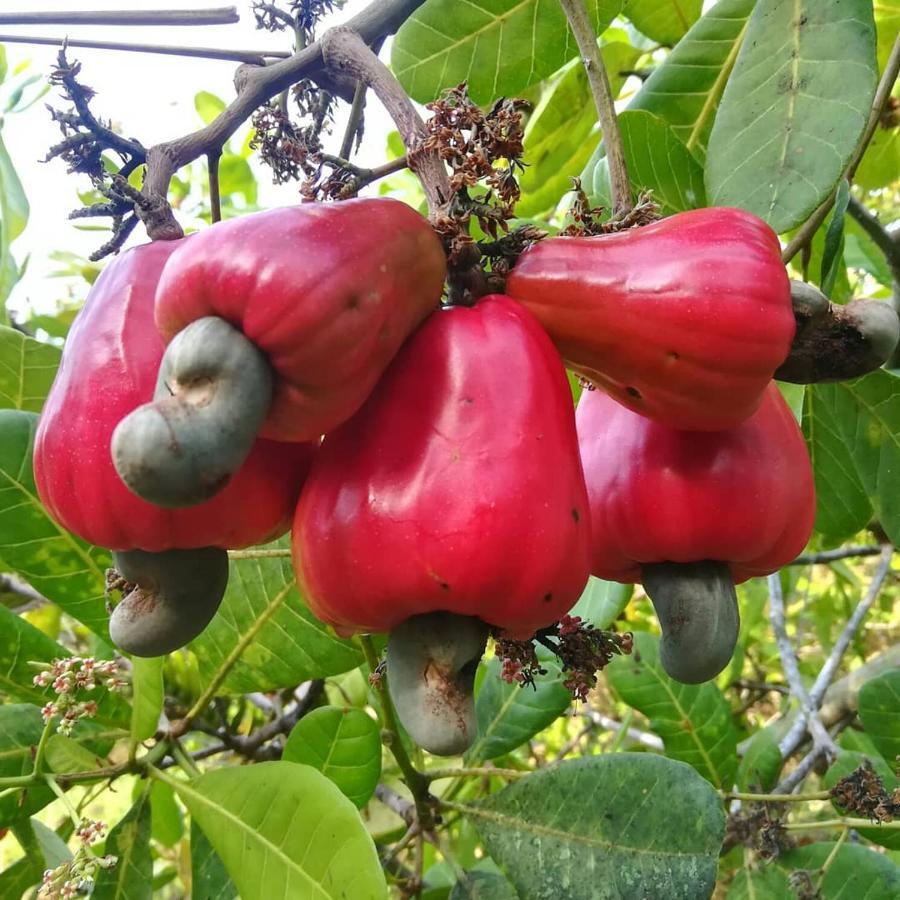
x=882 y=94
x=256 y=57
x=346 y=53
x=224 y=15
x=828 y=556
x=887 y=243
x=580 y=23
x=256 y=85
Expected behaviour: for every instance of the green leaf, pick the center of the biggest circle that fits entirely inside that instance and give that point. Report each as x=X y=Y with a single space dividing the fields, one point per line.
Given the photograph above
x=887 y=21
x=66 y=755
x=20 y=730
x=129 y=841
x=861 y=252
x=605 y=823
x=865 y=416
x=657 y=161
x=284 y=830
x=693 y=720
x=855 y=871
x=13 y=217
x=686 y=88
x=833 y=252
x=166 y=820
x=147 y=699
x=842 y=505
x=53 y=847
x=794 y=108
x=881 y=162
x=208 y=106
x=27 y=369
x=58 y=565
x=499 y=47
x=761 y=763
x=344 y=745
x=483 y=886
x=510 y=714
x=848 y=761
x=879 y=710
x=601 y=602
x=764 y=883
x=264 y=637
x=209 y=878
x=236 y=177
x=664 y=21
x=558 y=141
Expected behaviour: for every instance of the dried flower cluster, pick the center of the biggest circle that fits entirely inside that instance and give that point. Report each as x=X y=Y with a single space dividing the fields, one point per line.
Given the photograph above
x=68 y=678
x=76 y=877
x=85 y=140
x=863 y=792
x=581 y=649
x=586 y=219
x=755 y=827
x=303 y=17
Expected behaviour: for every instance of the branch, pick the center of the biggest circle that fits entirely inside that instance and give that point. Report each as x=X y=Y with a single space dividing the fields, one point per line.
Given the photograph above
x=256 y=57
x=882 y=95
x=828 y=556
x=810 y=717
x=224 y=15
x=887 y=243
x=257 y=85
x=346 y=53
x=580 y=23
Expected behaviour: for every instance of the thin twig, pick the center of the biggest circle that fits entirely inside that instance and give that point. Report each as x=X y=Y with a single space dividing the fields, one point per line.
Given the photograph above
x=792 y=670
x=255 y=57
x=345 y=52
x=215 y=199
x=353 y=119
x=224 y=15
x=794 y=736
x=827 y=556
x=882 y=94
x=580 y=23
x=887 y=242
x=259 y=554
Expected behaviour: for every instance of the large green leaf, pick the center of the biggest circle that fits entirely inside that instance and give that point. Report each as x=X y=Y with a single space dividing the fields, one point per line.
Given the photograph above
x=499 y=47
x=694 y=721
x=856 y=421
x=601 y=602
x=850 y=760
x=657 y=161
x=561 y=133
x=209 y=878
x=147 y=696
x=854 y=871
x=619 y=825
x=57 y=564
x=664 y=21
x=793 y=109
x=264 y=637
x=483 y=886
x=509 y=714
x=764 y=883
x=285 y=830
x=761 y=763
x=344 y=745
x=27 y=369
x=129 y=842
x=879 y=710
x=686 y=88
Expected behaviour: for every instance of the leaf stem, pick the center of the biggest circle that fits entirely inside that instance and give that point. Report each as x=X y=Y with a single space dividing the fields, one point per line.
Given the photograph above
x=775 y=798
x=42 y=747
x=415 y=780
x=472 y=772
x=259 y=554
x=580 y=23
x=882 y=94
x=224 y=15
x=840 y=823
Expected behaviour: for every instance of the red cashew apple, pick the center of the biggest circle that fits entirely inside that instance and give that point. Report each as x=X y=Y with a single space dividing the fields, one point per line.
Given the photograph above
x=108 y=368
x=684 y=320
x=453 y=500
x=691 y=513
x=280 y=324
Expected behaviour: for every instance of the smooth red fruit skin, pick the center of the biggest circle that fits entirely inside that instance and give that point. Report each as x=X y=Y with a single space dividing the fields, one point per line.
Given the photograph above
x=456 y=487
x=744 y=496
x=684 y=320
x=109 y=367
x=328 y=292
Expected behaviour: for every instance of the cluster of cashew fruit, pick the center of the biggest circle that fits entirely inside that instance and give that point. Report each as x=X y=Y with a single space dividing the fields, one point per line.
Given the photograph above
x=295 y=368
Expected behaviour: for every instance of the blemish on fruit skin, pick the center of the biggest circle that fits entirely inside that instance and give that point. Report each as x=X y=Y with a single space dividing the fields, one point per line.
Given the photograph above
x=548 y=597
x=575 y=514
x=633 y=392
